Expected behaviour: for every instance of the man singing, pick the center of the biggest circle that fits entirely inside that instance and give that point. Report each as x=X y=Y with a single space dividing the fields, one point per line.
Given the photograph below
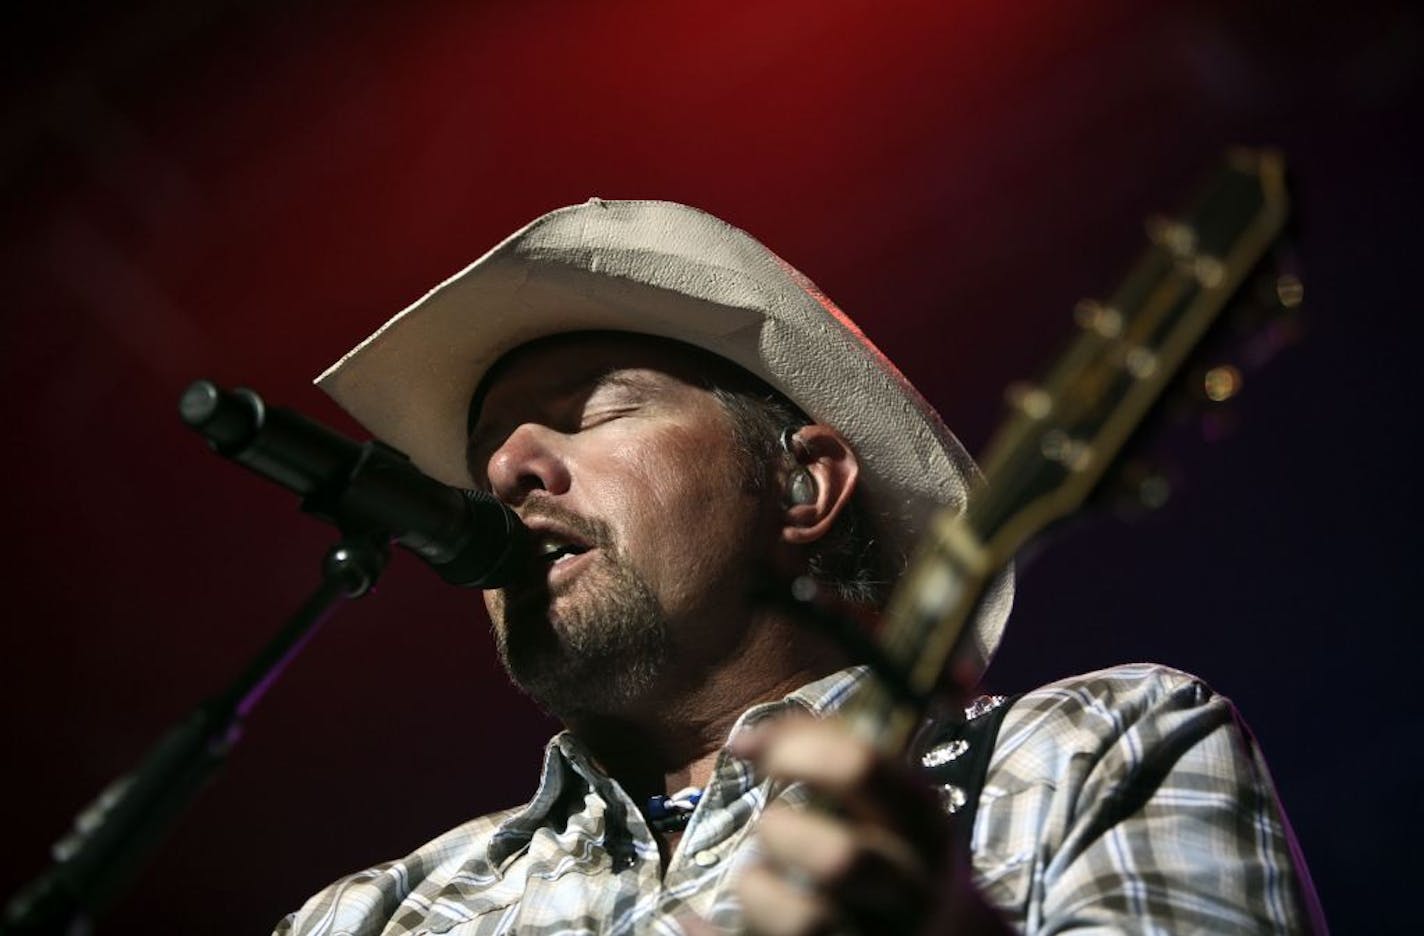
x=687 y=425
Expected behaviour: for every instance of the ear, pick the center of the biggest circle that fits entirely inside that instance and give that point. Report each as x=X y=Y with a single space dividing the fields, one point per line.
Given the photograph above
x=823 y=453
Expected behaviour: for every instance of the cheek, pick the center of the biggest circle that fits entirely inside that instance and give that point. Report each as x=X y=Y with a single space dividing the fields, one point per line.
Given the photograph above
x=694 y=511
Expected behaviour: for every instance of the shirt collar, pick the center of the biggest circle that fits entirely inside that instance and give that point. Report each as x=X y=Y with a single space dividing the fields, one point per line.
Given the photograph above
x=568 y=769
x=818 y=698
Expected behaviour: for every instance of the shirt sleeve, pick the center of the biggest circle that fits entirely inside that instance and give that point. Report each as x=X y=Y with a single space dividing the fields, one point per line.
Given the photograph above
x=399 y=896
x=1136 y=800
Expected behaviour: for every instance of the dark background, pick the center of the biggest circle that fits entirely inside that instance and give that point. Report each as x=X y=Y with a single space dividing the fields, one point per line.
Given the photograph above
x=243 y=192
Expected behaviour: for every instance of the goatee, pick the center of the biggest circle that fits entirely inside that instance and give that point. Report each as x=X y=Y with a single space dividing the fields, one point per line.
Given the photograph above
x=596 y=645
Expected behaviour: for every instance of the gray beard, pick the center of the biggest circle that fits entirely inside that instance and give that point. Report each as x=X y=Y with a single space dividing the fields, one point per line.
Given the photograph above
x=599 y=657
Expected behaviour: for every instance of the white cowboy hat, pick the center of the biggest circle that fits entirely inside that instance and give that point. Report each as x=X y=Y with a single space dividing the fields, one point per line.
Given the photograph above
x=664 y=269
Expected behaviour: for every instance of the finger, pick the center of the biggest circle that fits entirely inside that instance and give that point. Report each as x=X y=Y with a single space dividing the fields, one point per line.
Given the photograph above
x=825 y=756
x=750 y=742
x=821 y=753
x=868 y=874
x=693 y=925
x=815 y=847
x=773 y=906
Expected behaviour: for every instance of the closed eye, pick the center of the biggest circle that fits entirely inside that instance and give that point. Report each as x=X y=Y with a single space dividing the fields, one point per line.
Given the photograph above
x=482 y=449
x=591 y=402
x=594 y=420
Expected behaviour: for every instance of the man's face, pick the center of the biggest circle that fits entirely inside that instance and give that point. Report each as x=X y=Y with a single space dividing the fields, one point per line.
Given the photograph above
x=628 y=473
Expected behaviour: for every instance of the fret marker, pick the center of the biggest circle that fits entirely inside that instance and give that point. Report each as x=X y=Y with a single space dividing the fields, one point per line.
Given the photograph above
x=937 y=590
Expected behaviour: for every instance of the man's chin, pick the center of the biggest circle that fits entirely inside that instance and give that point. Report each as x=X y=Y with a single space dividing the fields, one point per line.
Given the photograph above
x=569 y=686
x=543 y=623
x=581 y=652
x=594 y=641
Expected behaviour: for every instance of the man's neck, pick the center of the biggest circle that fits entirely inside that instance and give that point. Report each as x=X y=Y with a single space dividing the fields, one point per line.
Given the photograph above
x=671 y=740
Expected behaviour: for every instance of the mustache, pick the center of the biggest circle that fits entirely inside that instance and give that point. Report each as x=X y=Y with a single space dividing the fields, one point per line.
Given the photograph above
x=529 y=588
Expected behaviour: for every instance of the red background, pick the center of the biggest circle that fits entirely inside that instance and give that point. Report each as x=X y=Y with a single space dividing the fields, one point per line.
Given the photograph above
x=241 y=193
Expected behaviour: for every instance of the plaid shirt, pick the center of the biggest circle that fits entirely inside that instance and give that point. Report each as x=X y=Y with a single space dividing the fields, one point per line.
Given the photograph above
x=1131 y=799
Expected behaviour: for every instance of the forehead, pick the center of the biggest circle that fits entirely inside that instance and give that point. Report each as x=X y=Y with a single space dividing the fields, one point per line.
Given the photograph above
x=564 y=363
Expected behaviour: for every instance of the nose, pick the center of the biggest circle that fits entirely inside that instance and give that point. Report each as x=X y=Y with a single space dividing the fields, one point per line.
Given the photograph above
x=530 y=459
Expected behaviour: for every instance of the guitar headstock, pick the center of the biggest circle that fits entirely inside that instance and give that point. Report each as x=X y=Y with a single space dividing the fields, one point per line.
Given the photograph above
x=1069 y=430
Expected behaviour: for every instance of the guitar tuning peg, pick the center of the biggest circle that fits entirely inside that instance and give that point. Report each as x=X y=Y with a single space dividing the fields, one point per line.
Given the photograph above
x=1221 y=383
x=1290 y=291
x=1213 y=389
x=1153 y=490
x=1139 y=487
x=1207 y=386
x=1271 y=322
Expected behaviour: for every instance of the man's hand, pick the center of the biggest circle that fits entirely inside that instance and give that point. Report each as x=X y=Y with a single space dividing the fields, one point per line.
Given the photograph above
x=870 y=866
x=882 y=862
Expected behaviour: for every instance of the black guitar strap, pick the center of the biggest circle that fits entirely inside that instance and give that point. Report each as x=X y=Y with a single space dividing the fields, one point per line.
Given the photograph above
x=955 y=757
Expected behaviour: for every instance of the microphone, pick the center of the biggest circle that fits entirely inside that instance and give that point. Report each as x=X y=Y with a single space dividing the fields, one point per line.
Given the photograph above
x=468 y=537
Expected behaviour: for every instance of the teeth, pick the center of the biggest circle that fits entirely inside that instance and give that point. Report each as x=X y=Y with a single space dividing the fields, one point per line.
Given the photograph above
x=554 y=551
x=549 y=546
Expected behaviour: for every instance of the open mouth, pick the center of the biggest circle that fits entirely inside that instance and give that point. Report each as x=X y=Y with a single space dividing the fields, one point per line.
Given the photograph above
x=553 y=549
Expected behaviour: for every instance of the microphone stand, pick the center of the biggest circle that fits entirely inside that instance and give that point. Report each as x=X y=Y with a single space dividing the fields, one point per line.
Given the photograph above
x=113 y=834
x=375 y=496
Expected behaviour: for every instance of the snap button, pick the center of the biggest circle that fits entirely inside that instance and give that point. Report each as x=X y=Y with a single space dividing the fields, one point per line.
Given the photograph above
x=705 y=859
